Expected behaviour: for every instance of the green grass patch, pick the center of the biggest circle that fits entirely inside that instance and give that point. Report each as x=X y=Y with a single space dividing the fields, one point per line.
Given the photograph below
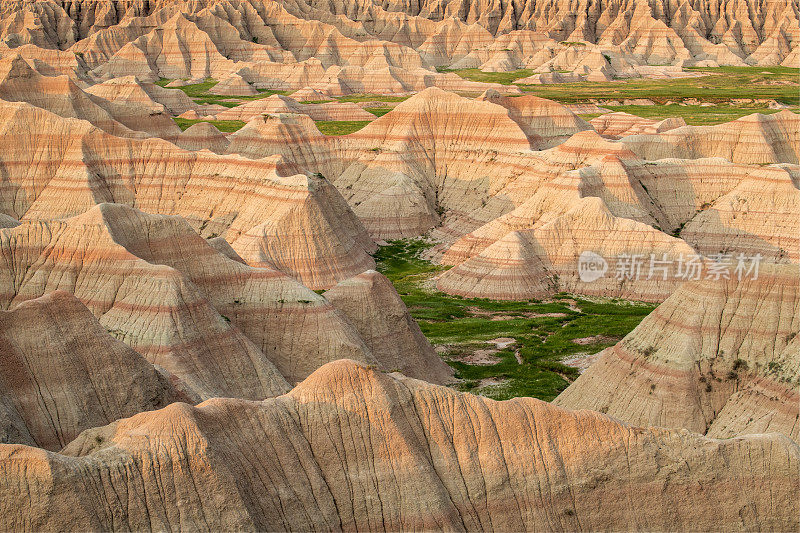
x=505 y=78
x=199 y=92
x=692 y=114
x=340 y=127
x=749 y=71
x=718 y=85
x=228 y=126
x=543 y=331
x=378 y=111
x=715 y=88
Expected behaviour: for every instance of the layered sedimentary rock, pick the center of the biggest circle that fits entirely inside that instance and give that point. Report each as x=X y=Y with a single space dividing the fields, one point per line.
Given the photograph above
x=546 y=123
x=244 y=200
x=430 y=157
x=233 y=85
x=538 y=262
x=719 y=357
x=714 y=206
x=165 y=292
x=61 y=95
x=131 y=90
x=617 y=125
x=427 y=153
x=754 y=139
x=310 y=234
x=603 y=38
x=372 y=304
x=203 y=136
x=62 y=373
x=350 y=448
x=146 y=267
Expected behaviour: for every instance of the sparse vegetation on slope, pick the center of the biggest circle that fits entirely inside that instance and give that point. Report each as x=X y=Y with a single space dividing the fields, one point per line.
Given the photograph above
x=536 y=335
x=693 y=115
x=227 y=126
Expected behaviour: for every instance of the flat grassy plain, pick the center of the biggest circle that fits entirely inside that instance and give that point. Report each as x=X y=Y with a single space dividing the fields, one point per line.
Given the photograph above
x=378 y=111
x=692 y=114
x=538 y=333
x=718 y=86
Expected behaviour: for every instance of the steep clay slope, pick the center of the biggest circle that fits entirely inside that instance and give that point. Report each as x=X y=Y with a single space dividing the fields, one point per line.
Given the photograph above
x=372 y=304
x=244 y=200
x=435 y=155
x=717 y=357
x=131 y=90
x=62 y=373
x=350 y=448
x=536 y=263
x=546 y=123
x=436 y=159
x=714 y=206
x=310 y=234
x=169 y=295
x=61 y=95
x=429 y=162
x=754 y=139
x=494 y=36
x=203 y=135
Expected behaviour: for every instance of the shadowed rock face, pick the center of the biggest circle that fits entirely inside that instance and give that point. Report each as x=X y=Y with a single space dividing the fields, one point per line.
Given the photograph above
x=156 y=302
x=169 y=295
x=350 y=448
x=61 y=372
x=495 y=36
x=373 y=306
x=513 y=218
x=717 y=357
x=246 y=201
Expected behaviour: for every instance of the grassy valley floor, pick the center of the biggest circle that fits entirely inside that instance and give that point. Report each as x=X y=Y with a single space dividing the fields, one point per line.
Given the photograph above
x=717 y=95
x=504 y=349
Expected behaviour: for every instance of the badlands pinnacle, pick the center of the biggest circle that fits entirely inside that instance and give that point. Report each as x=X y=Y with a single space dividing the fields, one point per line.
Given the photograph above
x=255 y=255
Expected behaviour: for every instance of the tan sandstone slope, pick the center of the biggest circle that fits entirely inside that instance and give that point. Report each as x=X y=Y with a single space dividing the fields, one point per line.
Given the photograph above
x=163 y=290
x=61 y=372
x=754 y=139
x=350 y=448
x=372 y=304
x=246 y=201
x=717 y=357
x=338 y=46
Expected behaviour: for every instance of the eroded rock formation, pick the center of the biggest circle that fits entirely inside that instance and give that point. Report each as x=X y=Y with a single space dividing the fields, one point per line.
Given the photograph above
x=717 y=357
x=350 y=448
